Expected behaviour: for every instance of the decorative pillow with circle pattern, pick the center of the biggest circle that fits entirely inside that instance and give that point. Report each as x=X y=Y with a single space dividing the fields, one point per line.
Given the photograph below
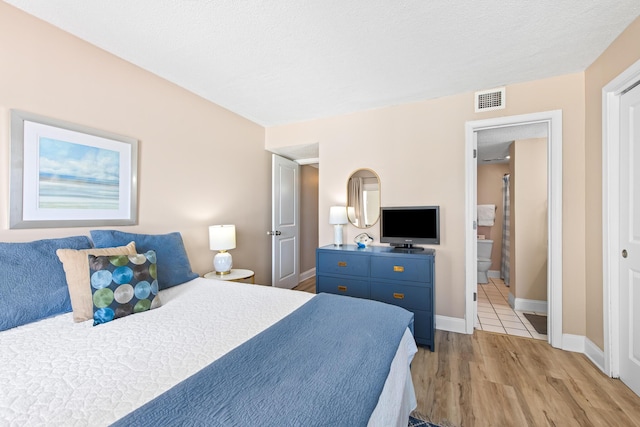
x=122 y=285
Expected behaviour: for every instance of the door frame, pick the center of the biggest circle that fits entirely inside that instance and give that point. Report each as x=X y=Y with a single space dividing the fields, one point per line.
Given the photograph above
x=611 y=94
x=554 y=214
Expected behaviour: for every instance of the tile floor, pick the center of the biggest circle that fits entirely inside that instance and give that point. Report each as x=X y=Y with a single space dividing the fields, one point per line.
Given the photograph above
x=496 y=315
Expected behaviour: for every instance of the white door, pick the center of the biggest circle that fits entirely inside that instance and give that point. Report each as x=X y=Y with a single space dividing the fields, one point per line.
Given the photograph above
x=630 y=239
x=285 y=222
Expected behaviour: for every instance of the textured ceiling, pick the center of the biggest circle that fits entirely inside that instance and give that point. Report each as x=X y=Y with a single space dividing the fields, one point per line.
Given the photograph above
x=283 y=61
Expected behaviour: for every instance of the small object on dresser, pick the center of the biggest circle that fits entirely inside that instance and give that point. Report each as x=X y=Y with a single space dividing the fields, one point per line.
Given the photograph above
x=338 y=217
x=363 y=240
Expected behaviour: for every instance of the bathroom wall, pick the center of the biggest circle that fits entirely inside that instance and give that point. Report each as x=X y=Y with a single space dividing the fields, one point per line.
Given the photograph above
x=490 y=193
x=529 y=220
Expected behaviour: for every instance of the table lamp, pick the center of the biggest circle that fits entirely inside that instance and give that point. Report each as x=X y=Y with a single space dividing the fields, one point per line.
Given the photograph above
x=337 y=217
x=222 y=238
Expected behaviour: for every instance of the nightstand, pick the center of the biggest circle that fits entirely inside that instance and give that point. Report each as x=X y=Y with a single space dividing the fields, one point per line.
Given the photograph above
x=236 y=275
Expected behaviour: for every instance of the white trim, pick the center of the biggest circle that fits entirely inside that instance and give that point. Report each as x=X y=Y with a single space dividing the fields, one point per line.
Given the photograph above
x=574 y=343
x=554 y=232
x=594 y=354
x=307 y=275
x=610 y=214
x=537 y=306
x=451 y=324
x=309 y=161
x=493 y=273
x=512 y=300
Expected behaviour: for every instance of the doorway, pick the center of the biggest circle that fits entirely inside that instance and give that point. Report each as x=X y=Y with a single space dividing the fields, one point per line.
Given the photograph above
x=306 y=157
x=553 y=121
x=512 y=229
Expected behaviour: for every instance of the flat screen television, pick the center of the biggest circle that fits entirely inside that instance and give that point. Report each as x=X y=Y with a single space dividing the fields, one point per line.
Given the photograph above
x=406 y=226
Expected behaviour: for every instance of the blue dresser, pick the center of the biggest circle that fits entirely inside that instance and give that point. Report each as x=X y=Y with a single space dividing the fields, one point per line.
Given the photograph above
x=380 y=273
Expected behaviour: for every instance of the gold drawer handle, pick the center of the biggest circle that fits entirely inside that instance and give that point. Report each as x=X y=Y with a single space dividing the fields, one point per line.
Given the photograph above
x=342 y=288
x=398 y=268
x=342 y=264
x=398 y=296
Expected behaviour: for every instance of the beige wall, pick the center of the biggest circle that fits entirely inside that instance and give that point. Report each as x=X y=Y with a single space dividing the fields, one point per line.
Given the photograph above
x=529 y=216
x=620 y=55
x=308 y=217
x=490 y=193
x=199 y=163
x=417 y=150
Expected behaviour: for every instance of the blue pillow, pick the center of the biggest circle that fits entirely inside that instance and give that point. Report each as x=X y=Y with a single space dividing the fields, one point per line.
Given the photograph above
x=172 y=256
x=122 y=285
x=32 y=281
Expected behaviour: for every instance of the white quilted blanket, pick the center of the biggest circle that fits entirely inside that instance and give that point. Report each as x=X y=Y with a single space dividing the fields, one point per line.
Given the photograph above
x=57 y=372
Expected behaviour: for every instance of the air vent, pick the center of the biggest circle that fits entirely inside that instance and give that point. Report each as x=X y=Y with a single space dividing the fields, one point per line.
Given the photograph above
x=492 y=99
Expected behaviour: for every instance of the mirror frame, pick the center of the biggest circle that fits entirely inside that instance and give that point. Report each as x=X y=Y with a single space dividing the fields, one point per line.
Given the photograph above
x=379 y=197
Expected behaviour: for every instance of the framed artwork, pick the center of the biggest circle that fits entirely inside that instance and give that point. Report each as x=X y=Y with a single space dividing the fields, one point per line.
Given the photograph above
x=68 y=175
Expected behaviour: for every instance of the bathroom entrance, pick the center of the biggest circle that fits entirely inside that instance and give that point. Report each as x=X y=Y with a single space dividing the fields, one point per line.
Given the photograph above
x=538 y=136
x=511 y=230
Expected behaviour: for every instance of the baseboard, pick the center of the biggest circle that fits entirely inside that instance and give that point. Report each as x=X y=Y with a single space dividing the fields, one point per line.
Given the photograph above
x=594 y=354
x=574 y=343
x=307 y=275
x=493 y=273
x=450 y=324
x=522 y=304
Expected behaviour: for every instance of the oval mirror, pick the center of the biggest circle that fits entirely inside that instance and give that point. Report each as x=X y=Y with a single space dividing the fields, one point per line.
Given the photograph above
x=363 y=198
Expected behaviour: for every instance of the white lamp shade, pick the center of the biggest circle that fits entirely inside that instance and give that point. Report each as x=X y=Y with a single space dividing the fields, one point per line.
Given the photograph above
x=222 y=237
x=338 y=215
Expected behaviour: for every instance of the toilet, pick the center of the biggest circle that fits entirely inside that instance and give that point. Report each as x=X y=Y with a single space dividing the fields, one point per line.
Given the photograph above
x=484 y=259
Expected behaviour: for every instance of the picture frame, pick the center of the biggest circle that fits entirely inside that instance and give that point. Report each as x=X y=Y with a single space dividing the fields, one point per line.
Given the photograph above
x=69 y=175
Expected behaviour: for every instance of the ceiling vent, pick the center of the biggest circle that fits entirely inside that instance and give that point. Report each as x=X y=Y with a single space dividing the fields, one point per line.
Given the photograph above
x=489 y=100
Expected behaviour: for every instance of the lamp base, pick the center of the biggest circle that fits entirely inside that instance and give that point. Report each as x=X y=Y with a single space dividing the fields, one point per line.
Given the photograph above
x=222 y=263
x=337 y=235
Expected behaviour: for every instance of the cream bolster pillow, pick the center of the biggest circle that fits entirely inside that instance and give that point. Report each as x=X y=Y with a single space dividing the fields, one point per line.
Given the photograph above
x=76 y=268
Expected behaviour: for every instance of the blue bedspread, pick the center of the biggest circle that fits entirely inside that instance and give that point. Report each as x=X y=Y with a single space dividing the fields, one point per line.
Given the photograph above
x=325 y=364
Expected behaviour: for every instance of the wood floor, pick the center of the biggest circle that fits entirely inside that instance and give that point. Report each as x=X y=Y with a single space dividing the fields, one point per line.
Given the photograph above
x=489 y=379
x=308 y=285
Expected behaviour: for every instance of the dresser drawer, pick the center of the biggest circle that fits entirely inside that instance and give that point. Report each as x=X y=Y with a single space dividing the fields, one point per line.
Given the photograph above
x=409 y=297
x=342 y=286
x=343 y=263
x=397 y=268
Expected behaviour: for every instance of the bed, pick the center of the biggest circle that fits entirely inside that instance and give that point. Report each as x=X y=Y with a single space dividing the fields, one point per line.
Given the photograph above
x=59 y=372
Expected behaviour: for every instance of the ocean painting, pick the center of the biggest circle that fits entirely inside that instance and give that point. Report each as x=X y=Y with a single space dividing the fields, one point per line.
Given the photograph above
x=76 y=176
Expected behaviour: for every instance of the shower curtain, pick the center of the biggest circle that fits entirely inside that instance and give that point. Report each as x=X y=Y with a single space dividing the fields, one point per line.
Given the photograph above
x=506 y=236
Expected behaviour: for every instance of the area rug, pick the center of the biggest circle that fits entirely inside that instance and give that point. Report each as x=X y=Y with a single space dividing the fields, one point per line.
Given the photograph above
x=538 y=322
x=416 y=420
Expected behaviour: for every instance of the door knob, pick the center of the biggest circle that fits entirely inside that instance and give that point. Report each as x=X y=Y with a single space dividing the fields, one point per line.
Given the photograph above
x=274 y=233
x=624 y=253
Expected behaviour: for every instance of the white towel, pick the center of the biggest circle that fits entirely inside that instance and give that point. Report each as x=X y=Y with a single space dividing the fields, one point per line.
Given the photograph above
x=486 y=215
